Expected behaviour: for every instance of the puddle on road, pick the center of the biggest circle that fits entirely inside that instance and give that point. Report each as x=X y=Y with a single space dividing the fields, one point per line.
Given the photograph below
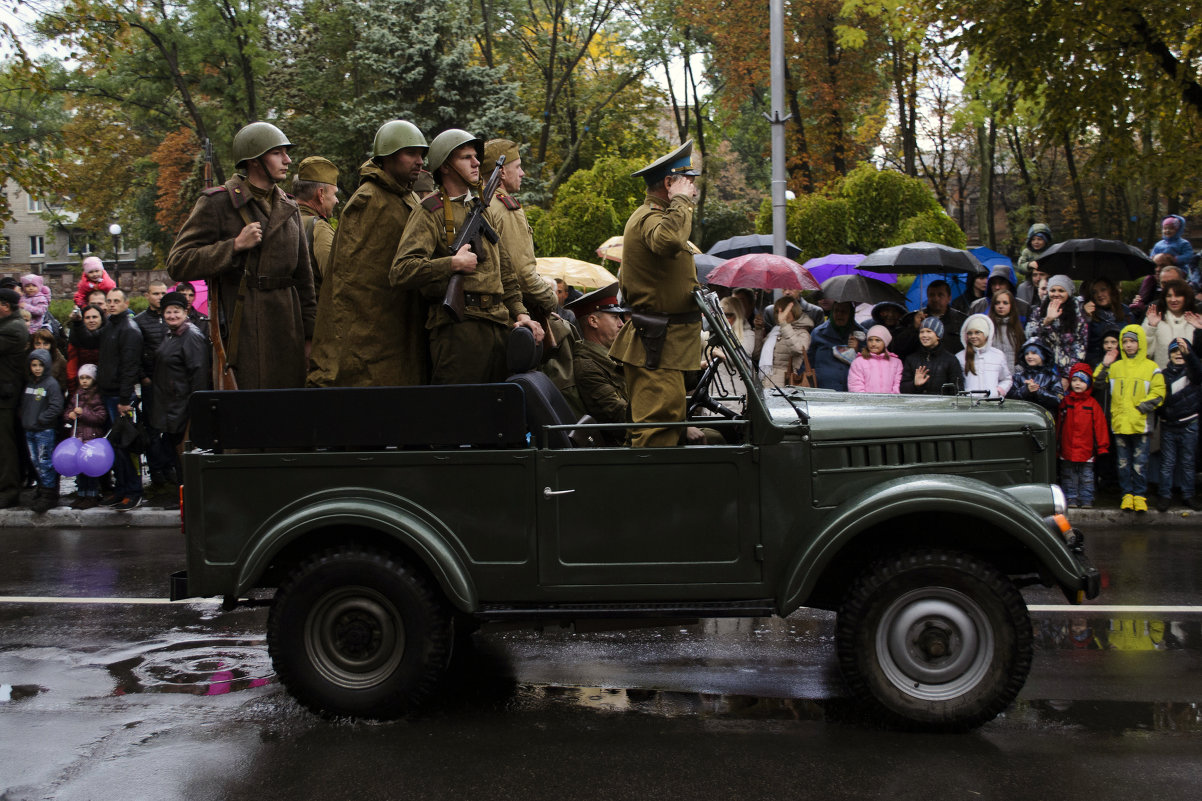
x=195 y=667
x=18 y=692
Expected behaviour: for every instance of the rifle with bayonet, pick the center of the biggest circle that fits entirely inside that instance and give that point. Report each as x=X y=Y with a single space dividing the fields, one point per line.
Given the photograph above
x=474 y=226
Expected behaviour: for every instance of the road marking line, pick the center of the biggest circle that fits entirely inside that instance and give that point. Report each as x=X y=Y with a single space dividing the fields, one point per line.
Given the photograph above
x=51 y=599
x=1114 y=609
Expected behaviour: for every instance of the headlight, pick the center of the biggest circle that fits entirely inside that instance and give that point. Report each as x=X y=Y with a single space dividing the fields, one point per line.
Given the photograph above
x=1059 y=502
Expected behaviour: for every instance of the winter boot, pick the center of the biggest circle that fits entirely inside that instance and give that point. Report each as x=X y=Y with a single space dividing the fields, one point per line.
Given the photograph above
x=44 y=500
x=1140 y=503
x=1128 y=503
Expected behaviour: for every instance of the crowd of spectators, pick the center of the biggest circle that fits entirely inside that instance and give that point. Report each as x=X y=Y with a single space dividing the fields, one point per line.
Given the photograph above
x=84 y=373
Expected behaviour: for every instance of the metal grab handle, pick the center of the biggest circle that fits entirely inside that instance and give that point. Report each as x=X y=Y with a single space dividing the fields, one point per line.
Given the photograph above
x=548 y=492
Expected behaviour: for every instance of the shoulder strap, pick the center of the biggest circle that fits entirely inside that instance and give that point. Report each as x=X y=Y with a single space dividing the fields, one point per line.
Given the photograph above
x=448 y=217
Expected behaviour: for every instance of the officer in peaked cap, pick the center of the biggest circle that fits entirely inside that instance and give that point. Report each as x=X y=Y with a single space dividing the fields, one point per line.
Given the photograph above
x=599 y=300
x=315 y=187
x=598 y=384
x=658 y=277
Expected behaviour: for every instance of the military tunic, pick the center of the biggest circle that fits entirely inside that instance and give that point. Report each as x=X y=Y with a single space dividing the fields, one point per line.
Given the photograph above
x=599 y=387
x=473 y=350
x=658 y=275
x=320 y=247
x=279 y=308
x=508 y=218
x=368 y=332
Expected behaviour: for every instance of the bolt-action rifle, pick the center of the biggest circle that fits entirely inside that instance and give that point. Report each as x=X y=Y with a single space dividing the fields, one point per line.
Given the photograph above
x=474 y=226
x=223 y=371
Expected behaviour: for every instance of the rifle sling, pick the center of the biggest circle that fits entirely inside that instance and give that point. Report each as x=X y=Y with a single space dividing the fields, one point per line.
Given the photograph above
x=252 y=263
x=448 y=216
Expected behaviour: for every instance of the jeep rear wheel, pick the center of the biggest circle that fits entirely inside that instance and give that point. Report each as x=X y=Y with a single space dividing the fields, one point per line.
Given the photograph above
x=357 y=632
x=934 y=640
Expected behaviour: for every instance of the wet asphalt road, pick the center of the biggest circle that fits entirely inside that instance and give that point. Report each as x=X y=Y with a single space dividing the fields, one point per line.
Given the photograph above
x=157 y=701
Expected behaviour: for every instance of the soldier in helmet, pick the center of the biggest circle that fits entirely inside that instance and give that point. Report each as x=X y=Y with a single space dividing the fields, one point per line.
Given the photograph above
x=246 y=239
x=368 y=332
x=473 y=350
x=663 y=338
x=315 y=188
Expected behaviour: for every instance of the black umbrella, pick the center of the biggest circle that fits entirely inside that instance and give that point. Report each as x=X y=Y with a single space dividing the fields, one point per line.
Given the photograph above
x=922 y=257
x=749 y=243
x=860 y=289
x=705 y=263
x=1088 y=259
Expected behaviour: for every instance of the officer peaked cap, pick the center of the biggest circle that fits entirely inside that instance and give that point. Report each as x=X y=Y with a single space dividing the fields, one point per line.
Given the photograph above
x=678 y=162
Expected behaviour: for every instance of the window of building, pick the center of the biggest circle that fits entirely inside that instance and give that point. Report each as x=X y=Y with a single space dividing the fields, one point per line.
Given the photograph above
x=37 y=246
x=35 y=205
x=79 y=243
x=5 y=247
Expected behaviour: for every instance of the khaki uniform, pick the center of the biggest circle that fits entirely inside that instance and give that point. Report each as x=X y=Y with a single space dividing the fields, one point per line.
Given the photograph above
x=279 y=308
x=508 y=219
x=599 y=387
x=369 y=333
x=471 y=351
x=658 y=275
x=321 y=244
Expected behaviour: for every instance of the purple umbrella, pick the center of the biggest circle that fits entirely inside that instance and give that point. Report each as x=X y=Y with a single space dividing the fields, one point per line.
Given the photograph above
x=832 y=264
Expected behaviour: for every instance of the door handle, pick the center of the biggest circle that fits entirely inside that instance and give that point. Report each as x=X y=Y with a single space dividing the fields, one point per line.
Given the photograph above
x=549 y=493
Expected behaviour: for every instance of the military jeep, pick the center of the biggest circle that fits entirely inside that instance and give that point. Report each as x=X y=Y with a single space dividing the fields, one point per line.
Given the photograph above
x=383 y=523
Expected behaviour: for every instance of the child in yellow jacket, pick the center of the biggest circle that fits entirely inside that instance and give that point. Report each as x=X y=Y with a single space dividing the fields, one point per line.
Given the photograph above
x=1136 y=389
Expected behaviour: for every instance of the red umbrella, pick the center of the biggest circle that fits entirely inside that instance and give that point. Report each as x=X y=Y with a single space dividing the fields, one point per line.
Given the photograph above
x=762 y=271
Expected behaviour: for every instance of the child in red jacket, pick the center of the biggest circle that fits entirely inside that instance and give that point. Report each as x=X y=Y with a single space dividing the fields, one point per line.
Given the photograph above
x=1082 y=434
x=94 y=277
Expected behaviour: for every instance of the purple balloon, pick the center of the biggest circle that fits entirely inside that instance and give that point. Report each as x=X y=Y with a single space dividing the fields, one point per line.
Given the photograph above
x=95 y=457
x=66 y=456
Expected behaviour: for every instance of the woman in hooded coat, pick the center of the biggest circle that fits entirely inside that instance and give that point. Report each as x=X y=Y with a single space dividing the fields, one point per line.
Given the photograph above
x=831 y=370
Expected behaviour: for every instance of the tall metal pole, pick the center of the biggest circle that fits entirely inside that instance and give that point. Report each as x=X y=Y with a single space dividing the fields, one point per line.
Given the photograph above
x=776 y=33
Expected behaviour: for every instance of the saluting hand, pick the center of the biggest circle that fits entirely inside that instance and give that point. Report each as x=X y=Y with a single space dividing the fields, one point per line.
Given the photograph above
x=464 y=261
x=681 y=185
x=248 y=237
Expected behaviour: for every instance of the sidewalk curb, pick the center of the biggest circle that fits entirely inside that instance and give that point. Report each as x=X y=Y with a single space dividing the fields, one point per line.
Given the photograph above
x=62 y=517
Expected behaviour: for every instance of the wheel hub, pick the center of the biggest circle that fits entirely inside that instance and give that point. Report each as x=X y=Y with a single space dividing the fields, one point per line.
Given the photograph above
x=934 y=643
x=355 y=637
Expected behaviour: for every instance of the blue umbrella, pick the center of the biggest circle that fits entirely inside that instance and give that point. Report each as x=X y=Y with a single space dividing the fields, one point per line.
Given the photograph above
x=832 y=264
x=991 y=259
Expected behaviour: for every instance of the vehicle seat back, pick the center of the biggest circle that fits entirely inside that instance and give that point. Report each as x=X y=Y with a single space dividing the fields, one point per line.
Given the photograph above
x=545 y=404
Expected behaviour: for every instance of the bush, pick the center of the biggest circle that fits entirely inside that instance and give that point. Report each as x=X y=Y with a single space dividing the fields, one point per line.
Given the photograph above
x=879 y=202
x=930 y=226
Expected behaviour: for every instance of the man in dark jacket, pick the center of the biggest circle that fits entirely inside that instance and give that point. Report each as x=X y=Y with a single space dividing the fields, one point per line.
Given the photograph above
x=154 y=330
x=14 y=337
x=939 y=297
x=118 y=373
x=181 y=367
x=1179 y=425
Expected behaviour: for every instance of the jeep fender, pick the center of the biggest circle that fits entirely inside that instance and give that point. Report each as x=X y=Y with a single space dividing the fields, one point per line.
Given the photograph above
x=391 y=515
x=916 y=494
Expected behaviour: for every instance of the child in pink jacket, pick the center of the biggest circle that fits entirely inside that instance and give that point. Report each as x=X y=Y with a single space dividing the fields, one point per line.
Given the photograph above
x=35 y=299
x=94 y=277
x=876 y=369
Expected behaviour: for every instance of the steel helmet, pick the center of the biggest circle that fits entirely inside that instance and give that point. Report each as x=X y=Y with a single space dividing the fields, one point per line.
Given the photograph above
x=256 y=139
x=447 y=143
x=396 y=135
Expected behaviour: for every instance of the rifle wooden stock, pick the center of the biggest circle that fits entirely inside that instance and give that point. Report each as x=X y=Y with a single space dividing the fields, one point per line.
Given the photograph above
x=474 y=225
x=223 y=371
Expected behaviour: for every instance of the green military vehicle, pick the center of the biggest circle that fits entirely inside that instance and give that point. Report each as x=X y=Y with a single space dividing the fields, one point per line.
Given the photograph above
x=384 y=523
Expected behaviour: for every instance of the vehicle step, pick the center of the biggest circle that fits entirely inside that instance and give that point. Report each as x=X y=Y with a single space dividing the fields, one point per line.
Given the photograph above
x=763 y=607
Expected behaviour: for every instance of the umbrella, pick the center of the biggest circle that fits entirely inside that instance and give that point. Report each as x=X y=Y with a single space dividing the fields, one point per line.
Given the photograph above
x=574 y=272
x=1087 y=259
x=860 y=289
x=916 y=295
x=749 y=243
x=762 y=271
x=923 y=257
x=991 y=259
x=611 y=248
x=823 y=267
x=705 y=263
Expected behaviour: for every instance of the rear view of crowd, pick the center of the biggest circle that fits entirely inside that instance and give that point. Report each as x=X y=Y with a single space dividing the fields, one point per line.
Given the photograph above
x=103 y=372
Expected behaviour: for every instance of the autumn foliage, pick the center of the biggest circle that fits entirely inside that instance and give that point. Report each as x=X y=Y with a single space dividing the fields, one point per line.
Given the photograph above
x=176 y=184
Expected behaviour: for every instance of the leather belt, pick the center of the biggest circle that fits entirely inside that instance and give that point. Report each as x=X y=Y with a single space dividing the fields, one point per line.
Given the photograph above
x=266 y=283
x=481 y=300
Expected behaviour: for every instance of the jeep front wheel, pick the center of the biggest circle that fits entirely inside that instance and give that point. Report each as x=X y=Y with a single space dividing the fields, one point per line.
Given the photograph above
x=357 y=632
x=935 y=640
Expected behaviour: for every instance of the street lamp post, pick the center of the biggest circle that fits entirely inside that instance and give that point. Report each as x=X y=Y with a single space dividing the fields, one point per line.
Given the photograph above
x=115 y=230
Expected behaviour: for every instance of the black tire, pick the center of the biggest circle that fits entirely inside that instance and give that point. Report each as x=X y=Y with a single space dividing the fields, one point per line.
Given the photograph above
x=358 y=632
x=935 y=640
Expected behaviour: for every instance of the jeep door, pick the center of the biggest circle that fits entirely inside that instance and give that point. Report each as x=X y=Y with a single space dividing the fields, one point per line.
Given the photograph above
x=649 y=523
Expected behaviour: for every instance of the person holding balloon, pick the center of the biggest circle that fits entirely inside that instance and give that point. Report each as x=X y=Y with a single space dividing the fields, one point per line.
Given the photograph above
x=90 y=419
